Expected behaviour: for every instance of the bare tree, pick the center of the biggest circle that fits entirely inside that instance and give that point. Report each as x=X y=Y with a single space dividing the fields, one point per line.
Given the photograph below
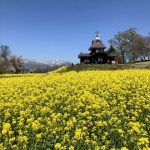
x=8 y=62
x=4 y=52
x=4 y=59
x=147 y=38
x=17 y=63
x=131 y=44
x=119 y=44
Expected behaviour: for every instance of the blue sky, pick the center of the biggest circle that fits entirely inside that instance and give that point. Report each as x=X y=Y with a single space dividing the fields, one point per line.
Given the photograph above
x=61 y=29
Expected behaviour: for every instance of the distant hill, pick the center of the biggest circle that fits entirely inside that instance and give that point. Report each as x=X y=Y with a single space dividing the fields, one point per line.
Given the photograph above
x=43 y=66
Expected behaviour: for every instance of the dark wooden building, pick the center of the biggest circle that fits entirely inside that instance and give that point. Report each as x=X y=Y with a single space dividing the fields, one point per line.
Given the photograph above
x=97 y=54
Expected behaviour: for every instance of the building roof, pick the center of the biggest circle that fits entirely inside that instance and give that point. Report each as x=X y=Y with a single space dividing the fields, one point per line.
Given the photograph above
x=112 y=54
x=91 y=54
x=85 y=55
x=96 y=44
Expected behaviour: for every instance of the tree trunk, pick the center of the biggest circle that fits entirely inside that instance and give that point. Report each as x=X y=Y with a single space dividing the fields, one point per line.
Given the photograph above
x=122 y=55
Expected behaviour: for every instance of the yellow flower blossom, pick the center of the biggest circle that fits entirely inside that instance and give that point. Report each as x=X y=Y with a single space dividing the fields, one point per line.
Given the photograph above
x=78 y=134
x=143 y=141
x=124 y=148
x=71 y=147
x=57 y=146
x=6 y=128
x=35 y=125
x=38 y=137
x=101 y=123
x=22 y=139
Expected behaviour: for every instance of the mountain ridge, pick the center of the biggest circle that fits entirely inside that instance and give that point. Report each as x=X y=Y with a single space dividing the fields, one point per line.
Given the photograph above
x=32 y=65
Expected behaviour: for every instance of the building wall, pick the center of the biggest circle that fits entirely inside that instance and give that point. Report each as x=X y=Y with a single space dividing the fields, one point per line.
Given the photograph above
x=100 y=58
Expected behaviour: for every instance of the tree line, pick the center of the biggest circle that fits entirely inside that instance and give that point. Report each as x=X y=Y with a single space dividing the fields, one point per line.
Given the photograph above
x=10 y=63
x=130 y=45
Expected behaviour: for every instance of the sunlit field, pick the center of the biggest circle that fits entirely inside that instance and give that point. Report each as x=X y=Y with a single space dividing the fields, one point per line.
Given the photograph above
x=87 y=110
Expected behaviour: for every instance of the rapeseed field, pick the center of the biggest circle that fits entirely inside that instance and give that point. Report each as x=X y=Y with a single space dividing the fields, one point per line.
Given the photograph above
x=87 y=110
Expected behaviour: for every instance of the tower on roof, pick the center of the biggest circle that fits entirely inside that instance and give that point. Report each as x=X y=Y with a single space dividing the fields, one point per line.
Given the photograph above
x=97 y=44
x=97 y=36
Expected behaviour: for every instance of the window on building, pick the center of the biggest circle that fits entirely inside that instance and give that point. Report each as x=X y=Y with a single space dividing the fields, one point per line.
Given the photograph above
x=100 y=59
x=87 y=61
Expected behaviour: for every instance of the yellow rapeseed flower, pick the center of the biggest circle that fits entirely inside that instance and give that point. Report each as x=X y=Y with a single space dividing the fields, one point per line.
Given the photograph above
x=6 y=128
x=57 y=146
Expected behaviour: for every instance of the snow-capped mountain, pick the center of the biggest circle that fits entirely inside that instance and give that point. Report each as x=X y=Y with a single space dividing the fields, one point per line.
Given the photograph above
x=31 y=65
